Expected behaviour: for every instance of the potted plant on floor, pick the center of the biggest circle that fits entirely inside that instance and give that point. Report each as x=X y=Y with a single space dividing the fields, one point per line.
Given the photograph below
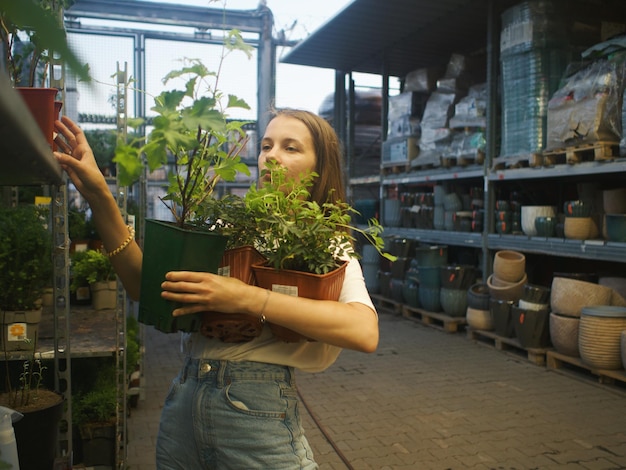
x=192 y=129
x=305 y=244
x=94 y=413
x=37 y=431
x=93 y=267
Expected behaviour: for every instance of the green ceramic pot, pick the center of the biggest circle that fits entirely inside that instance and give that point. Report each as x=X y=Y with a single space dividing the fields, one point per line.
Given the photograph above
x=170 y=248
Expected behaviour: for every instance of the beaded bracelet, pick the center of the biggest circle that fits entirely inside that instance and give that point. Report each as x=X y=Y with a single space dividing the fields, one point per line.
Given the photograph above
x=125 y=243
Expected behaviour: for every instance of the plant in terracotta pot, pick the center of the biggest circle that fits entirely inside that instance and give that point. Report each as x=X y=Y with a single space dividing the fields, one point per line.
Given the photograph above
x=93 y=267
x=192 y=130
x=306 y=244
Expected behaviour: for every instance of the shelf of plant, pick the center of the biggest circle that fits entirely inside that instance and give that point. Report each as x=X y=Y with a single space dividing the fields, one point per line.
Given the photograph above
x=26 y=158
x=92 y=332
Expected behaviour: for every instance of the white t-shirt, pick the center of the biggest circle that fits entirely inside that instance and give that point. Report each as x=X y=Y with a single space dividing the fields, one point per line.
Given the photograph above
x=310 y=356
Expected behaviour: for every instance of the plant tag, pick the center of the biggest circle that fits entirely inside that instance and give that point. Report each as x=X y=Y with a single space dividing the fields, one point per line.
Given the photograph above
x=224 y=271
x=283 y=289
x=17 y=332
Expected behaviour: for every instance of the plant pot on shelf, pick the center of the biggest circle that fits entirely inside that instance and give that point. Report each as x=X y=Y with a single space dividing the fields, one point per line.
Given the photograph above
x=228 y=327
x=299 y=284
x=170 y=248
x=19 y=329
x=41 y=103
x=98 y=444
x=104 y=295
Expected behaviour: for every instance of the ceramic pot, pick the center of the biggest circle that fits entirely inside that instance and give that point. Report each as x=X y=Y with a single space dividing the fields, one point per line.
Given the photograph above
x=509 y=265
x=599 y=336
x=503 y=290
x=615 y=227
x=478 y=296
x=569 y=296
x=623 y=348
x=532 y=327
x=564 y=334
x=502 y=319
x=479 y=319
x=453 y=301
x=430 y=298
x=530 y=213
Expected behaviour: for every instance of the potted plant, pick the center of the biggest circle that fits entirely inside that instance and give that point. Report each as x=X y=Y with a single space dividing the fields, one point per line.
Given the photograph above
x=305 y=244
x=25 y=271
x=94 y=414
x=93 y=267
x=31 y=31
x=36 y=432
x=192 y=130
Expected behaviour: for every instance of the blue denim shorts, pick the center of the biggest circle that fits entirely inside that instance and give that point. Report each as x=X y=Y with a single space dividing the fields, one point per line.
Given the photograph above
x=227 y=415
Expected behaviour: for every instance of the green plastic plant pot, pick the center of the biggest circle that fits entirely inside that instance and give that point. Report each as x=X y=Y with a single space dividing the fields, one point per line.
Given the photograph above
x=170 y=248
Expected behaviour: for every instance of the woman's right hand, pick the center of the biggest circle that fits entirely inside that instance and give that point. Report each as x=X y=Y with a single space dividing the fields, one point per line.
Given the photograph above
x=77 y=159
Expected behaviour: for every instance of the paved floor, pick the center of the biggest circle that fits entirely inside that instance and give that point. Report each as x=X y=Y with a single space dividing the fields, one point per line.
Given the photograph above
x=429 y=400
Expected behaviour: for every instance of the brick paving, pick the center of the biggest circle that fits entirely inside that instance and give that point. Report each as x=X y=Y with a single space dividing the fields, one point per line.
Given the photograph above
x=428 y=400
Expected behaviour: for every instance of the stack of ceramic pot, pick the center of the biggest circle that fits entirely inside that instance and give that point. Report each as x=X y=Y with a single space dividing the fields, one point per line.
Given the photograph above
x=429 y=259
x=506 y=286
x=455 y=280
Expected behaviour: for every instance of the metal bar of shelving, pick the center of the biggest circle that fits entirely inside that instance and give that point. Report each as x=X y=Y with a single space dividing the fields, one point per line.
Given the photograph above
x=445 y=237
x=599 y=167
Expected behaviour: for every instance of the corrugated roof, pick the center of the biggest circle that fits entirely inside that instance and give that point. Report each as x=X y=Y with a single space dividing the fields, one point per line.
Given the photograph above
x=411 y=34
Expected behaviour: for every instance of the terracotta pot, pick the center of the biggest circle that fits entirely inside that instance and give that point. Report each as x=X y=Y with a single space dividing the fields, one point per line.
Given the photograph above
x=300 y=284
x=580 y=228
x=40 y=102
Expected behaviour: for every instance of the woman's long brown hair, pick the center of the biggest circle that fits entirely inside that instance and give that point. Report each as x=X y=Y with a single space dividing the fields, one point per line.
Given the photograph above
x=329 y=185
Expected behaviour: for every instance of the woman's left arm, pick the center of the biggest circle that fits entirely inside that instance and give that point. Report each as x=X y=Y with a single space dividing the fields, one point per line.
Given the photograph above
x=351 y=325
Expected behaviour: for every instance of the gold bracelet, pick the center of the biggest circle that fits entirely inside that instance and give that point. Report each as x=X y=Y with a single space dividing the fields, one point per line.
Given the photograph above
x=262 y=314
x=124 y=244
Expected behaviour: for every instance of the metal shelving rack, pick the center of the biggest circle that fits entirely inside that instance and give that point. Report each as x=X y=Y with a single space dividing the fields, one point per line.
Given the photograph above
x=26 y=159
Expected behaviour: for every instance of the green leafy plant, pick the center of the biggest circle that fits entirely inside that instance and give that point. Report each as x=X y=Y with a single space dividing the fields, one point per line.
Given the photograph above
x=300 y=234
x=90 y=266
x=41 y=23
x=25 y=257
x=97 y=402
x=191 y=129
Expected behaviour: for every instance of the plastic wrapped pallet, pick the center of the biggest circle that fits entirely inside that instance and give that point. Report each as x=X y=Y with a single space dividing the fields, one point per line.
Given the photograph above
x=588 y=108
x=471 y=110
x=533 y=58
x=423 y=80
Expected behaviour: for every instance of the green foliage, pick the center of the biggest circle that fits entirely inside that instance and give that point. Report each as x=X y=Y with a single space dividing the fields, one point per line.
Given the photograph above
x=232 y=217
x=97 y=402
x=90 y=266
x=192 y=129
x=77 y=225
x=25 y=257
x=298 y=233
x=132 y=343
x=41 y=23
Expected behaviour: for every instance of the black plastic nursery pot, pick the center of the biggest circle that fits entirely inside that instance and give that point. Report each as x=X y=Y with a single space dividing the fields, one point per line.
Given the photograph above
x=168 y=247
x=532 y=327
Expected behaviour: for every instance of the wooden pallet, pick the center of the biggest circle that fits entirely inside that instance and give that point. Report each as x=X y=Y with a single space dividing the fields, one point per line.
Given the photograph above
x=509 y=345
x=593 y=151
x=394 y=168
x=440 y=321
x=570 y=364
x=532 y=160
x=464 y=160
x=425 y=162
x=386 y=305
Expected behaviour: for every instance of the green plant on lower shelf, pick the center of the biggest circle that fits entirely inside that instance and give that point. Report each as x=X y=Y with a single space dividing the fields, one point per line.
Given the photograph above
x=90 y=266
x=98 y=403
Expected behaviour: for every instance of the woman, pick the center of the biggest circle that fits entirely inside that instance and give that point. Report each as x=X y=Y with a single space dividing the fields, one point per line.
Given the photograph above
x=234 y=406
